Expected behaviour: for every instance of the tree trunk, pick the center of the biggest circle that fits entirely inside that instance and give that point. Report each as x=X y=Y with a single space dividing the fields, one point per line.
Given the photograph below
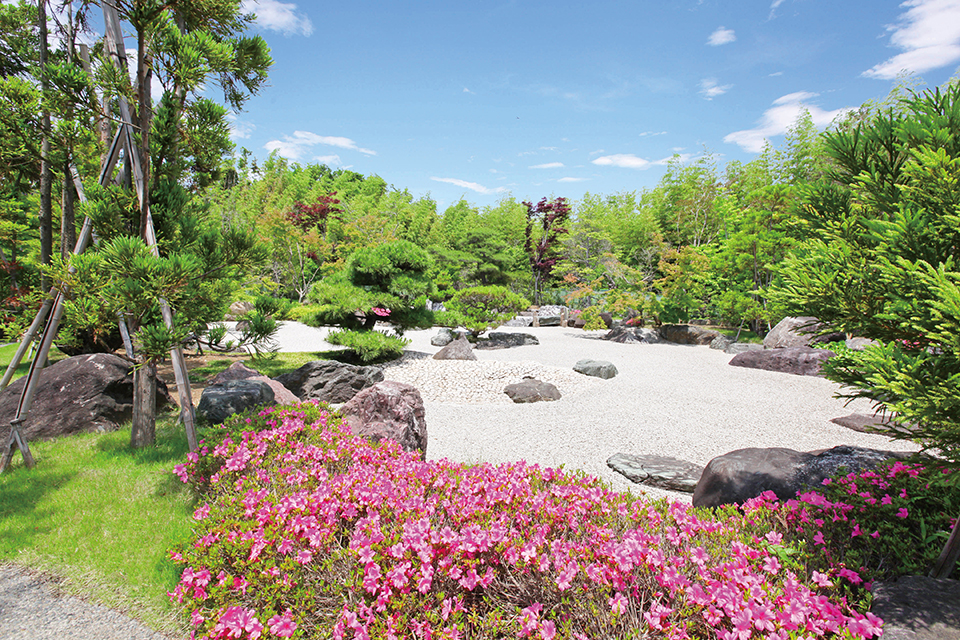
x=145 y=118
x=68 y=224
x=46 y=171
x=144 y=432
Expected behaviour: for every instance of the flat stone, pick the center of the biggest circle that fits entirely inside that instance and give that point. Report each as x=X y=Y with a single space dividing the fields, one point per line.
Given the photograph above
x=220 y=401
x=658 y=471
x=549 y=321
x=799 y=361
x=532 y=390
x=504 y=340
x=918 y=608
x=596 y=368
x=861 y=422
x=519 y=321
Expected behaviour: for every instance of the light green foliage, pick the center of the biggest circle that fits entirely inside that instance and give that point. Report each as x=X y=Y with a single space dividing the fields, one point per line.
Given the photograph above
x=369 y=346
x=684 y=203
x=481 y=308
x=591 y=319
x=882 y=263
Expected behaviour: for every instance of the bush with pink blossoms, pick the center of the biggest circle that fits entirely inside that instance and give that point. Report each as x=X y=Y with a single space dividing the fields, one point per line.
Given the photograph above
x=875 y=525
x=308 y=532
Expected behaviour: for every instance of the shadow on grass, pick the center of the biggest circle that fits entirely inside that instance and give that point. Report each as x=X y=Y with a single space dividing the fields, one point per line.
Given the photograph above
x=170 y=448
x=21 y=492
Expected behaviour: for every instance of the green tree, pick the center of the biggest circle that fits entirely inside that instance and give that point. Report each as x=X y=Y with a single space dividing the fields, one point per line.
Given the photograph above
x=546 y=223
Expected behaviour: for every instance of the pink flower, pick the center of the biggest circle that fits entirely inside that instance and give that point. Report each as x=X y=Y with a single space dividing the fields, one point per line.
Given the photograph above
x=771 y=565
x=548 y=630
x=618 y=604
x=903 y=513
x=821 y=579
x=282 y=626
x=202 y=512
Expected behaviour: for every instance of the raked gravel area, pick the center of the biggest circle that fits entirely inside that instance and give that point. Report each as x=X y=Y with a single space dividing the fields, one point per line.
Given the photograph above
x=670 y=400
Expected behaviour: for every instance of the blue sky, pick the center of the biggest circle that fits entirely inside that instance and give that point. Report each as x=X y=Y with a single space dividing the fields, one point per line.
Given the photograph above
x=491 y=97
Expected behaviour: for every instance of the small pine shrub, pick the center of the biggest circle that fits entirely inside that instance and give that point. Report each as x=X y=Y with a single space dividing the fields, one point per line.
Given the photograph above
x=369 y=346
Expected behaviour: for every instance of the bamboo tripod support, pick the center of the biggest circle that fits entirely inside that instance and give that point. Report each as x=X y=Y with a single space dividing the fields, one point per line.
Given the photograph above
x=53 y=305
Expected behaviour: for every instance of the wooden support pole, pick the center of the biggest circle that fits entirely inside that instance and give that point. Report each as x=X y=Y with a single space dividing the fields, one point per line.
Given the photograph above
x=944 y=565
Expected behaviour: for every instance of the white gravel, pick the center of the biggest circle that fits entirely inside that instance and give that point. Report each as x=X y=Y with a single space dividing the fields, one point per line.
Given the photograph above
x=669 y=400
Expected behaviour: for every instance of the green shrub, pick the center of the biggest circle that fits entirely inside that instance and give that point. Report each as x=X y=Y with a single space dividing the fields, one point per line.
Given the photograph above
x=301 y=312
x=369 y=346
x=450 y=319
x=276 y=308
x=592 y=320
x=487 y=306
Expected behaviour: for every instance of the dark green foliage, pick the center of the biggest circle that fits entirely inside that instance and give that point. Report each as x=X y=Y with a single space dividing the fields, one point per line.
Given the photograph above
x=883 y=263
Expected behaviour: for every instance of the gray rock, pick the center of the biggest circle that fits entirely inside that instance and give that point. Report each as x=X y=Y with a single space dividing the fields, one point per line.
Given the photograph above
x=721 y=343
x=740 y=347
x=445 y=336
x=918 y=608
x=531 y=390
x=658 y=471
x=329 y=380
x=859 y=344
x=504 y=340
x=459 y=349
x=550 y=310
x=87 y=393
x=631 y=335
x=240 y=371
x=549 y=321
x=735 y=477
x=647 y=336
x=519 y=321
x=389 y=410
x=861 y=422
x=607 y=318
x=799 y=361
x=687 y=334
x=596 y=368
x=220 y=401
x=798 y=332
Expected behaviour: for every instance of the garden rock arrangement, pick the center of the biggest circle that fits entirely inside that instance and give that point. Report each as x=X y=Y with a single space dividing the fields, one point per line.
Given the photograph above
x=329 y=381
x=389 y=410
x=800 y=361
x=632 y=335
x=220 y=401
x=85 y=393
x=240 y=371
x=478 y=382
x=445 y=336
x=459 y=349
x=862 y=422
x=596 y=368
x=735 y=477
x=658 y=471
x=531 y=390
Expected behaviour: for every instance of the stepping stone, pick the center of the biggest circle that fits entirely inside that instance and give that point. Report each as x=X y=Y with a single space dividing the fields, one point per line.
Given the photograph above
x=918 y=608
x=596 y=368
x=657 y=471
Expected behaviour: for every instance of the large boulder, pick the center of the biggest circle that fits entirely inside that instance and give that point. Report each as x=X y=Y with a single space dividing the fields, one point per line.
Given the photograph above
x=799 y=361
x=596 y=368
x=687 y=334
x=739 y=347
x=389 y=410
x=531 y=390
x=798 y=332
x=632 y=335
x=240 y=371
x=735 y=477
x=658 y=471
x=504 y=340
x=721 y=342
x=459 y=349
x=220 y=401
x=329 y=380
x=88 y=393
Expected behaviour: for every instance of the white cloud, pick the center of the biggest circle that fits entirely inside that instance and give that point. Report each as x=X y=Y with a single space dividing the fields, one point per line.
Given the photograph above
x=653 y=133
x=473 y=186
x=721 y=36
x=278 y=16
x=295 y=146
x=465 y=90
x=240 y=130
x=628 y=161
x=775 y=74
x=779 y=118
x=710 y=89
x=773 y=8
x=333 y=160
x=929 y=36
x=548 y=165
x=571 y=179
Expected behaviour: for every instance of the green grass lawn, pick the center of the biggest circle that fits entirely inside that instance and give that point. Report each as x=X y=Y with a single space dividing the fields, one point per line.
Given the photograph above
x=8 y=351
x=105 y=516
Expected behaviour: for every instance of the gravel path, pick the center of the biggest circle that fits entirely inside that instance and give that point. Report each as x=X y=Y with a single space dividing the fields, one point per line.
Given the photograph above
x=670 y=400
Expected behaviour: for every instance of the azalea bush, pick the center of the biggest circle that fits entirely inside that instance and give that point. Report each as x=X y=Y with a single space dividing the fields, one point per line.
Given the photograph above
x=306 y=531
x=878 y=524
